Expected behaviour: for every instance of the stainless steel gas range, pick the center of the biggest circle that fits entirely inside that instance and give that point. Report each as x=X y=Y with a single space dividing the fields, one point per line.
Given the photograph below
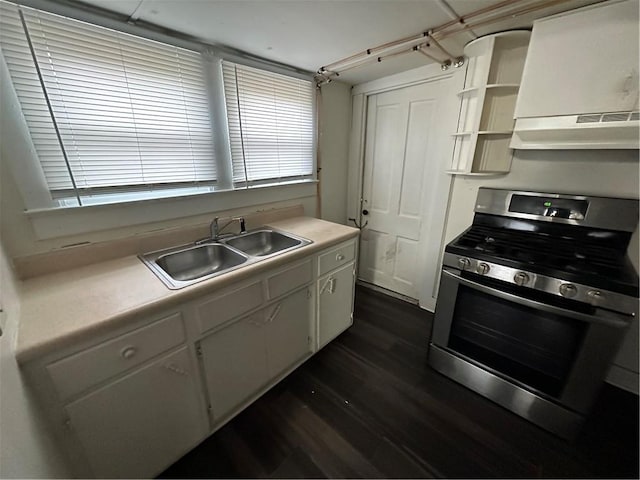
x=535 y=298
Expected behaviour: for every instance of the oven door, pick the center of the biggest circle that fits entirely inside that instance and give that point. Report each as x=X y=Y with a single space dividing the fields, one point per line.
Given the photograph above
x=552 y=348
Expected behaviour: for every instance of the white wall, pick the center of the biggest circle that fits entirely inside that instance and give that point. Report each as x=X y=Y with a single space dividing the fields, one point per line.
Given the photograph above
x=335 y=123
x=27 y=450
x=612 y=173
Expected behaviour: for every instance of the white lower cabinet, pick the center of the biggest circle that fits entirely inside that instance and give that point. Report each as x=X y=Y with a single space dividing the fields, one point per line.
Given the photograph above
x=234 y=360
x=138 y=425
x=289 y=331
x=245 y=356
x=136 y=402
x=335 y=303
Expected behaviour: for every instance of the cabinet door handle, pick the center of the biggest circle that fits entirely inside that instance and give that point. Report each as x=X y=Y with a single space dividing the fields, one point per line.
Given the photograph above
x=128 y=352
x=329 y=285
x=274 y=313
x=339 y=257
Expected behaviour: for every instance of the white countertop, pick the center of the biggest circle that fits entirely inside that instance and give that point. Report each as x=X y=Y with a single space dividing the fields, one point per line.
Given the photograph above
x=67 y=307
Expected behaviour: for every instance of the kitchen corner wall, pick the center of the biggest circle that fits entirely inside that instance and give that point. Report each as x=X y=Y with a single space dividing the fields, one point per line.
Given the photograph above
x=335 y=127
x=27 y=449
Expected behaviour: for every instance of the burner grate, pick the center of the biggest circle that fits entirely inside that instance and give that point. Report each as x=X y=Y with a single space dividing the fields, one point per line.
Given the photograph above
x=561 y=251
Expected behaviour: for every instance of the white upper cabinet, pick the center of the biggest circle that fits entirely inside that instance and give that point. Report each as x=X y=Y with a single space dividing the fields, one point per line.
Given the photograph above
x=582 y=62
x=580 y=82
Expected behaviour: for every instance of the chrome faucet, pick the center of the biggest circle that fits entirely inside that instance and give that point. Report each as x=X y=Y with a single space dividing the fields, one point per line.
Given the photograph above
x=216 y=229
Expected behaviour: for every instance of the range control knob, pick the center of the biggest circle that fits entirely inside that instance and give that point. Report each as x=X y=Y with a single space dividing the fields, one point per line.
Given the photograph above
x=521 y=278
x=595 y=296
x=464 y=263
x=568 y=290
x=483 y=269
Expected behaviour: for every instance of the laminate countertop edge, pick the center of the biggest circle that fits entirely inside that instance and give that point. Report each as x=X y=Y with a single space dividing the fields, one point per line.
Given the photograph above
x=66 y=308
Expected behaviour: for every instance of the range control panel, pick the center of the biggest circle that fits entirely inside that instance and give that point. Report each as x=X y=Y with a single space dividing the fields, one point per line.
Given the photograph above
x=549 y=207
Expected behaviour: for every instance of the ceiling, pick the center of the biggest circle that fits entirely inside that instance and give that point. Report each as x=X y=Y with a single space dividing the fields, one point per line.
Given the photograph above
x=309 y=34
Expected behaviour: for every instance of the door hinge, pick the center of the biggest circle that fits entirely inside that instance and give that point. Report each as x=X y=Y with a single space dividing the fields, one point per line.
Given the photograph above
x=198 y=350
x=308 y=294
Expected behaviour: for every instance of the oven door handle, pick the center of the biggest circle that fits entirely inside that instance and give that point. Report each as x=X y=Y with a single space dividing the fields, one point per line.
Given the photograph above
x=606 y=318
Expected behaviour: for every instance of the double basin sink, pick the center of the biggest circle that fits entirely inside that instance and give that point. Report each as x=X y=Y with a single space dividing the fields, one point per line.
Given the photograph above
x=180 y=266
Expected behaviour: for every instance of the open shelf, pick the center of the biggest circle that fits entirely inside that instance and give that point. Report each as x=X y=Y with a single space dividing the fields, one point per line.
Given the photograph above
x=485 y=125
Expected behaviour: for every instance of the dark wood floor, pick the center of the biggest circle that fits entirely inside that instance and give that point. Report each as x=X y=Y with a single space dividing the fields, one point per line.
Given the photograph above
x=368 y=405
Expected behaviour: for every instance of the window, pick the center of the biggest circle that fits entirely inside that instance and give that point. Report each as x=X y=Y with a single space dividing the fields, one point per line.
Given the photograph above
x=270 y=125
x=117 y=117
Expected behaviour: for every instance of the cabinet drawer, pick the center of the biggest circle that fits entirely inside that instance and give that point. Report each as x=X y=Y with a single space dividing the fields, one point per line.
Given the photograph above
x=289 y=279
x=78 y=372
x=336 y=257
x=224 y=307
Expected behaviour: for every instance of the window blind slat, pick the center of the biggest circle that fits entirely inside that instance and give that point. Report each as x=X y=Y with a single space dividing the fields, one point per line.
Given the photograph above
x=134 y=114
x=271 y=125
x=130 y=111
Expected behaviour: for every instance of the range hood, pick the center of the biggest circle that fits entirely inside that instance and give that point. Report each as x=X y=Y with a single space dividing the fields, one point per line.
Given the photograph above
x=579 y=86
x=590 y=131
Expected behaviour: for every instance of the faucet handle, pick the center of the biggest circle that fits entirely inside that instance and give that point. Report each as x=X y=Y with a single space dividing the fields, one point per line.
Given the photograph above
x=243 y=228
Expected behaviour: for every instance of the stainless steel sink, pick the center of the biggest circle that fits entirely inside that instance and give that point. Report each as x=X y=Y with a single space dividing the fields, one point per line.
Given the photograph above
x=180 y=266
x=262 y=243
x=199 y=261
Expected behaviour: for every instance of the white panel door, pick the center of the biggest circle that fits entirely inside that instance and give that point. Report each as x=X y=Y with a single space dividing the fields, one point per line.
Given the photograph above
x=408 y=146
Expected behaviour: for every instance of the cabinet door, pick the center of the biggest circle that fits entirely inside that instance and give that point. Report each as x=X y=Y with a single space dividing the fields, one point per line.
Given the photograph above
x=582 y=62
x=136 y=426
x=235 y=363
x=335 y=304
x=289 y=331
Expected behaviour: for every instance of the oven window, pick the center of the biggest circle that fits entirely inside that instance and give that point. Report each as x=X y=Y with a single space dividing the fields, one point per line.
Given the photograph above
x=532 y=346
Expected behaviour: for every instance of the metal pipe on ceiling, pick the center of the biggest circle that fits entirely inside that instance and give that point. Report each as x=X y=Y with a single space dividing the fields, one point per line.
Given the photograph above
x=440 y=47
x=505 y=16
x=498 y=12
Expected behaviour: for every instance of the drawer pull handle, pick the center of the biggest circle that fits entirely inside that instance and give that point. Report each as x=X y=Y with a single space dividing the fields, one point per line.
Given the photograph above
x=128 y=352
x=175 y=369
x=339 y=257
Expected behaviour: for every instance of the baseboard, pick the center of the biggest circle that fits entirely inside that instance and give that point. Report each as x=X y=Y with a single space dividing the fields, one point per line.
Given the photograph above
x=385 y=291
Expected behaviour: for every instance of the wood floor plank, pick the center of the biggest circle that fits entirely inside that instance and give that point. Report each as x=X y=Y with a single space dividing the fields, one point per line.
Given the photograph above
x=369 y=406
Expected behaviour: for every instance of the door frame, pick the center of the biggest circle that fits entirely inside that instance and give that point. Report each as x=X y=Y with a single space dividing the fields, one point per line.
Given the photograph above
x=355 y=175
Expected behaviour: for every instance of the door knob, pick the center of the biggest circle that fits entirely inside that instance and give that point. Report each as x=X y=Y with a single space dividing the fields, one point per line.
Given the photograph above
x=365 y=212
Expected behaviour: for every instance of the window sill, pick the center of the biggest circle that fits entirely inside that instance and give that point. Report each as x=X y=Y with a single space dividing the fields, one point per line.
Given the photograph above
x=73 y=220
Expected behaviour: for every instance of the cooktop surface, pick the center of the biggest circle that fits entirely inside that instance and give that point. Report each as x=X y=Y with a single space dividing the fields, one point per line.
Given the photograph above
x=591 y=257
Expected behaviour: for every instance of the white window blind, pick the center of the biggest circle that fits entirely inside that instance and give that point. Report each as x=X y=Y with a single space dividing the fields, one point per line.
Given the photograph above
x=131 y=112
x=271 y=125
